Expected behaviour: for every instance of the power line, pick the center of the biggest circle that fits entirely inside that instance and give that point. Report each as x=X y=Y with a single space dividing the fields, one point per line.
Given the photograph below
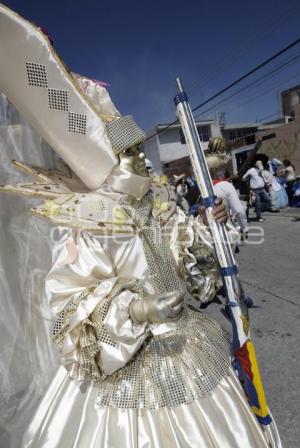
x=232 y=56
x=274 y=115
x=251 y=99
x=263 y=92
x=254 y=83
x=254 y=38
x=234 y=83
x=237 y=81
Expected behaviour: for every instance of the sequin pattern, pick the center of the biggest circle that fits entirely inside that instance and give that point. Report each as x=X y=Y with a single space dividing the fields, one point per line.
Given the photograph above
x=92 y=330
x=159 y=259
x=171 y=369
x=124 y=133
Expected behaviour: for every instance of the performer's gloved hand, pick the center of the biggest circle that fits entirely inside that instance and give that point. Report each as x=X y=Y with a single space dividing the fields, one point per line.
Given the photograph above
x=219 y=212
x=157 y=308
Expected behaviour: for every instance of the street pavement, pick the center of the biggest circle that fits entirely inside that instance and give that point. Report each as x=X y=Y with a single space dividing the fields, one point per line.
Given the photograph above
x=270 y=275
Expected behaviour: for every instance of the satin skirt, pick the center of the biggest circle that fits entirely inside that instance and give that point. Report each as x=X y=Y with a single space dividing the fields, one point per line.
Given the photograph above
x=68 y=417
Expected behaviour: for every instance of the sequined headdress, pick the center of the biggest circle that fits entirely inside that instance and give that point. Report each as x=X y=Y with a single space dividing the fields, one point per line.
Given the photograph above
x=73 y=114
x=218 y=153
x=124 y=133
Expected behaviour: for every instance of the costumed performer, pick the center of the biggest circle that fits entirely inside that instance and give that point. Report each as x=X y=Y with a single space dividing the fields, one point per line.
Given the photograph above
x=139 y=368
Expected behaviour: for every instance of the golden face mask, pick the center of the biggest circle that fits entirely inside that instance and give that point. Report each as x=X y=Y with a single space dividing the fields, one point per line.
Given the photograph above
x=133 y=161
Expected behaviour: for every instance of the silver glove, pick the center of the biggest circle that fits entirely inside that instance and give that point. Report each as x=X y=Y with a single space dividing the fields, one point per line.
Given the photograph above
x=157 y=308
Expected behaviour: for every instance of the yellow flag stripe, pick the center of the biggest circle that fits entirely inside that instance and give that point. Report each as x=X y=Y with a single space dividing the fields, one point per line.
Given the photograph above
x=263 y=410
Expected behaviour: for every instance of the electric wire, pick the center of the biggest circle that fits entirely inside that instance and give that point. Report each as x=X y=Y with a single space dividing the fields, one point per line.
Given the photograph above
x=231 y=57
x=234 y=83
x=252 y=98
x=227 y=61
x=255 y=83
x=262 y=93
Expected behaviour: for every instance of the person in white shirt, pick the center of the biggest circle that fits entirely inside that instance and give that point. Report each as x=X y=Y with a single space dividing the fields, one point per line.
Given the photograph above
x=257 y=185
x=227 y=192
x=270 y=184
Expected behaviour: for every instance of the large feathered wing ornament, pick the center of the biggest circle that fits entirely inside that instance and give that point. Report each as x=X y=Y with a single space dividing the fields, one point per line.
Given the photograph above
x=76 y=117
x=73 y=114
x=69 y=203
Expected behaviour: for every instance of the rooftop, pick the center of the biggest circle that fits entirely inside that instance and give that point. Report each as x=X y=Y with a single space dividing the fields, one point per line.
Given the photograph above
x=178 y=125
x=291 y=89
x=241 y=125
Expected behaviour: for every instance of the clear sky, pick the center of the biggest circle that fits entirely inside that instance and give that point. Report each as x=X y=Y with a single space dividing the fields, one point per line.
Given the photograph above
x=139 y=47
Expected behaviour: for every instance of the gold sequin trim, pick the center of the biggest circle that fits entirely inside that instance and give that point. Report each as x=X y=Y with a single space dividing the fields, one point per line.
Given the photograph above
x=171 y=369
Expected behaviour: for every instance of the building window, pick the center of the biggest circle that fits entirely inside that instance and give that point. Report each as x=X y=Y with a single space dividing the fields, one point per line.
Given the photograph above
x=235 y=134
x=203 y=131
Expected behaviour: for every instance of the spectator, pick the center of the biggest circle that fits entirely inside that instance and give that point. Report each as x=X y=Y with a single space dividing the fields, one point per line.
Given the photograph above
x=296 y=193
x=278 y=188
x=149 y=166
x=258 y=187
x=271 y=185
x=227 y=192
x=290 y=175
x=273 y=165
x=181 y=191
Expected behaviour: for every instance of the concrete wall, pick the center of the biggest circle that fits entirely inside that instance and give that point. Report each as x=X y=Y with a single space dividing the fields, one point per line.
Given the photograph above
x=167 y=147
x=170 y=146
x=286 y=143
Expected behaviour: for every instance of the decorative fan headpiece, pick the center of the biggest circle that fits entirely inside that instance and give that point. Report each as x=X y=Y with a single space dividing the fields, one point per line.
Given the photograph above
x=218 y=153
x=81 y=125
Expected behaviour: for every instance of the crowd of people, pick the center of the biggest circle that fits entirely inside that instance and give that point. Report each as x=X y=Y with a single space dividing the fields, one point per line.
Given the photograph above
x=268 y=185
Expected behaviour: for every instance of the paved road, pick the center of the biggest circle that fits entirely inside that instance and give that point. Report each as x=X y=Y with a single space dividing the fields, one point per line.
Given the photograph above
x=270 y=274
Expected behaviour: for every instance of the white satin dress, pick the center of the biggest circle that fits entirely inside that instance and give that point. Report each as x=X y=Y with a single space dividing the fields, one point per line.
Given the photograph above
x=128 y=385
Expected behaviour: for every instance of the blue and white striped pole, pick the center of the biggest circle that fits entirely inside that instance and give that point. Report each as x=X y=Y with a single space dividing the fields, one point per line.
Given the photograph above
x=243 y=353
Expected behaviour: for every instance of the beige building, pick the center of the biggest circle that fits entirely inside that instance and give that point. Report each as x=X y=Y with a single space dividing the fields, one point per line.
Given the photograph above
x=285 y=143
x=289 y=99
x=168 y=151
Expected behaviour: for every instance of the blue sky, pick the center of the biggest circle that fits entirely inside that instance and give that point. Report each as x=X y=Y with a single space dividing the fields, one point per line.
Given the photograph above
x=139 y=47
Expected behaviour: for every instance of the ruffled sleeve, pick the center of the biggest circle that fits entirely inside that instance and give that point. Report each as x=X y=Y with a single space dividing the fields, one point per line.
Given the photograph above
x=93 y=330
x=192 y=248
